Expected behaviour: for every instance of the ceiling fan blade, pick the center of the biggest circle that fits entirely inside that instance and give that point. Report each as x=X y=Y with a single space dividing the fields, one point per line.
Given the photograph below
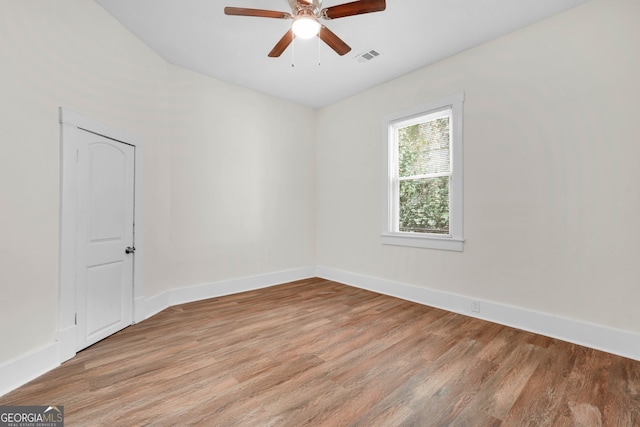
x=354 y=8
x=333 y=41
x=260 y=13
x=280 y=47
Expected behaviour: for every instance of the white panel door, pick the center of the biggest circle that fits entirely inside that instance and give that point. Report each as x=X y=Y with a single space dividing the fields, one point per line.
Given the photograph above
x=105 y=237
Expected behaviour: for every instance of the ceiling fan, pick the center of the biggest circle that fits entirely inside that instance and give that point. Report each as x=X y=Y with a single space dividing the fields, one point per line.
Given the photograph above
x=306 y=15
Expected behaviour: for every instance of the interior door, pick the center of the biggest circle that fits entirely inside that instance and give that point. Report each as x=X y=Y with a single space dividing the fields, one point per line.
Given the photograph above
x=105 y=237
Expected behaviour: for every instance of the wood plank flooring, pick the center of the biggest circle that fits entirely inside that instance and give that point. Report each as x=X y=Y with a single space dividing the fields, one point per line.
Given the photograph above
x=319 y=353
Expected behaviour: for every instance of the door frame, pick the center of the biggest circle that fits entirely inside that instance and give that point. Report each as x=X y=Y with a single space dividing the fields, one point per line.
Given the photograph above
x=68 y=206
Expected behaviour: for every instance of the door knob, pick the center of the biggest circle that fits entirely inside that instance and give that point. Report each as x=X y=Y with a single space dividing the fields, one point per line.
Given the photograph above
x=130 y=250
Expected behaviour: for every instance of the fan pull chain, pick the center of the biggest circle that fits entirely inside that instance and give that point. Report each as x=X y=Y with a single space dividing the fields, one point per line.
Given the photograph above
x=318 y=51
x=293 y=50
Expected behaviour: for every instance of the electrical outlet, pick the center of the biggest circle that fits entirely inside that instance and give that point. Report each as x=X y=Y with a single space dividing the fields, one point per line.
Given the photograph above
x=475 y=306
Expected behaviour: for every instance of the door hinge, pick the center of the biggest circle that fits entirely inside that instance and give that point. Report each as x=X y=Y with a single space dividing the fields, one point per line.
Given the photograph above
x=77 y=156
x=75 y=320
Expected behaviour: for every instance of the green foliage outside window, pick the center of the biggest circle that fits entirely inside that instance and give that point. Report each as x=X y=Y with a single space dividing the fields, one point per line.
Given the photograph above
x=424 y=166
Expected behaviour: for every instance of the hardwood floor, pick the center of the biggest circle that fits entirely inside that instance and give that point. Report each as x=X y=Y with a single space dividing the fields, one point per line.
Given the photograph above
x=320 y=353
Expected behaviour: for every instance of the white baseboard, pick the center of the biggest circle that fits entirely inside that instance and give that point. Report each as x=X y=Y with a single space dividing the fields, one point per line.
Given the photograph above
x=21 y=370
x=616 y=341
x=220 y=288
x=139 y=309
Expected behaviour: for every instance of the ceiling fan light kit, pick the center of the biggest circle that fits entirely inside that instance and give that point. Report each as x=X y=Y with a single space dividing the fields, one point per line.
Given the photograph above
x=306 y=15
x=305 y=26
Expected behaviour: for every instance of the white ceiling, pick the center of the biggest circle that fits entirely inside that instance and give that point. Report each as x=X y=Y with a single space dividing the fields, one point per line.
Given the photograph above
x=409 y=34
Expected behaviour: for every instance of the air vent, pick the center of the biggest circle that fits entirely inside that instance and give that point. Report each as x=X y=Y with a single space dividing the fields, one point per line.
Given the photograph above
x=367 y=56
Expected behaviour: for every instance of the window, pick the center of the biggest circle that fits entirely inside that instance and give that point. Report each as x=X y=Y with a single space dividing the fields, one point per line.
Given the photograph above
x=423 y=183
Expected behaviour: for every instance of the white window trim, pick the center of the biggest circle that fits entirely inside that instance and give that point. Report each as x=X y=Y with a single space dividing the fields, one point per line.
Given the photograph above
x=454 y=241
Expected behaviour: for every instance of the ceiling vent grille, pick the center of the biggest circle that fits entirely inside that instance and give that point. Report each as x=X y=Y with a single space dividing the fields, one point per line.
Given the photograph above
x=367 y=56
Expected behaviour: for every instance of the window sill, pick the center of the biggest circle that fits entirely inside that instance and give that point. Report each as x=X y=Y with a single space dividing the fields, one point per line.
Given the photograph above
x=429 y=242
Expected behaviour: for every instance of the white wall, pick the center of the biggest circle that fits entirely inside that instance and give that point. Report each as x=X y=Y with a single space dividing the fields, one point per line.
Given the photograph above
x=551 y=184
x=229 y=188
x=246 y=162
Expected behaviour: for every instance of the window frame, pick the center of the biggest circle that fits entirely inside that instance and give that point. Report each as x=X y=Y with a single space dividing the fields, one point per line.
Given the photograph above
x=391 y=235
